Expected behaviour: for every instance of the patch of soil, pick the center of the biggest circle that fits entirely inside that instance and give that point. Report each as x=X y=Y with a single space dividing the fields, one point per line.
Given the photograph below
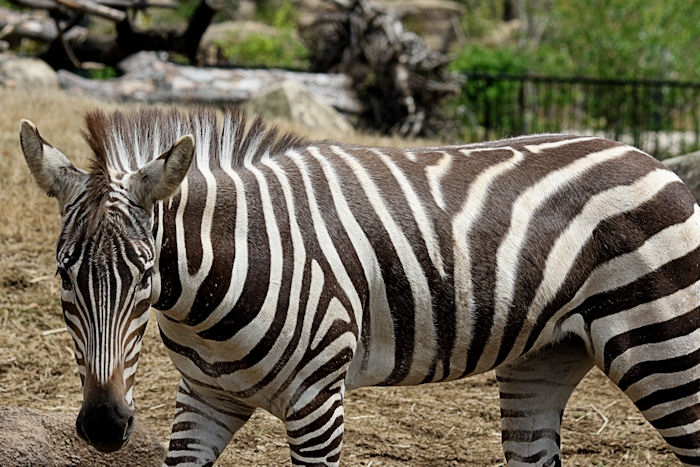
x=29 y=437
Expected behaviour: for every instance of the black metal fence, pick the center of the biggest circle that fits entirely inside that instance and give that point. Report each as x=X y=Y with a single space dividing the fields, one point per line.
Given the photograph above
x=660 y=117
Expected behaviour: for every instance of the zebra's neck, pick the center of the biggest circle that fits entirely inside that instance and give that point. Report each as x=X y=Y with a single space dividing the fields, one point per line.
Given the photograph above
x=207 y=237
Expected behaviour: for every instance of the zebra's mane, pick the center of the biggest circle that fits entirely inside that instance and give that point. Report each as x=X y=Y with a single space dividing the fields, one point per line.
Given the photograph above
x=125 y=142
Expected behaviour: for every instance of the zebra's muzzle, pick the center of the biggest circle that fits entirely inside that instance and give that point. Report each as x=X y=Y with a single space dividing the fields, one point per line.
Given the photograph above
x=105 y=424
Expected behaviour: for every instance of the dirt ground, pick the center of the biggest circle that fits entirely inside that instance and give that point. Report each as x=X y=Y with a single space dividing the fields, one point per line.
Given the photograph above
x=442 y=424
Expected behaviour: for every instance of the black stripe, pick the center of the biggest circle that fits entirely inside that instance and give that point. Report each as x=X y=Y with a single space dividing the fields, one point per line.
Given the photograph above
x=653 y=333
x=680 y=417
x=616 y=236
x=671 y=365
x=396 y=283
x=257 y=278
x=668 y=395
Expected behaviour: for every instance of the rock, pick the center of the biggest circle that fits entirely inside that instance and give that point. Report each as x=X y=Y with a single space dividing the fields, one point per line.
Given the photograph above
x=29 y=437
x=25 y=72
x=292 y=101
x=688 y=168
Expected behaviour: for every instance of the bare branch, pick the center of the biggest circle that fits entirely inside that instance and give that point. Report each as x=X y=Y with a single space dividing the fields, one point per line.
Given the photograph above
x=138 y=4
x=66 y=48
x=94 y=8
x=37 y=4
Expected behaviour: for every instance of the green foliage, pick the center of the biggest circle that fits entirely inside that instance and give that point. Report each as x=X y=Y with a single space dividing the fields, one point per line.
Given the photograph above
x=491 y=60
x=9 y=5
x=480 y=17
x=284 y=50
x=103 y=73
x=625 y=38
x=185 y=8
x=277 y=13
x=616 y=39
x=498 y=94
x=597 y=38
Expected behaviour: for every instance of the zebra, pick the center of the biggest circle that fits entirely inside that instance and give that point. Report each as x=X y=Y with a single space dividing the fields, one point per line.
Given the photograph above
x=286 y=271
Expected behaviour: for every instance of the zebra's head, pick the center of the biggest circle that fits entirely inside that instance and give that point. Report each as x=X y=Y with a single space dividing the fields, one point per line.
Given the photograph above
x=105 y=256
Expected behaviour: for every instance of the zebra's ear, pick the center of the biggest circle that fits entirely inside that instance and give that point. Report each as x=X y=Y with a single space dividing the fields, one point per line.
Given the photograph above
x=53 y=172
x=160 y=178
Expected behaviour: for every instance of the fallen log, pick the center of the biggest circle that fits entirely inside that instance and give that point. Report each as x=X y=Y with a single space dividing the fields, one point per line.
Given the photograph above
x=148 y=78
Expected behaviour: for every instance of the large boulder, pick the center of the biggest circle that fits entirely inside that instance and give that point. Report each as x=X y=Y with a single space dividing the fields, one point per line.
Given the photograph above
x=26 y=72
x=688 y=168
x=293 y=102
x=29 y=437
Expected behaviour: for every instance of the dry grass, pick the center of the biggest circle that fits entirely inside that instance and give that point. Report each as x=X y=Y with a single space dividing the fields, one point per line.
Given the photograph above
x=452 y=423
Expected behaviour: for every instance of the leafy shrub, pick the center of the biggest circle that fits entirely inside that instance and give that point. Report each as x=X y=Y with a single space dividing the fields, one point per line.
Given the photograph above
x=284 y=50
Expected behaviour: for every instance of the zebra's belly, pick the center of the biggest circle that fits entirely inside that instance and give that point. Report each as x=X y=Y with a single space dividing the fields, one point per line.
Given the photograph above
x=432 y=352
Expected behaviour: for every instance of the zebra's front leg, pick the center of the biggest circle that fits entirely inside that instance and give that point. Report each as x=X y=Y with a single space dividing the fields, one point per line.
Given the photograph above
x=534 y=390
x=315 y=427
x=202 y=427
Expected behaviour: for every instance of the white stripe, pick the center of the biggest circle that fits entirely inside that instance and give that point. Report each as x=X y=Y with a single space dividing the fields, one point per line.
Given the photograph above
x=381 y=345
x=424 y=328
x=338 y=412
x=660 y=381
x=659 y=411
x=239 y=267
x=434 y=174
x=618 y=271
x=249 y=336
x=425 y=225
x=461 y=226
x=682 y=430
x=538 y=148
x=250 y=376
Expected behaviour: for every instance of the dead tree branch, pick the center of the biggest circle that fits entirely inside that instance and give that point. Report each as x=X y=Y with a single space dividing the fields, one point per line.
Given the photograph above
x=68 y=50
x=93 y=8
x=392 y=68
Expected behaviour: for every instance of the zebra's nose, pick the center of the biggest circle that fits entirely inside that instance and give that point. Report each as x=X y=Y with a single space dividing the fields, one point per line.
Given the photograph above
x=105 y=425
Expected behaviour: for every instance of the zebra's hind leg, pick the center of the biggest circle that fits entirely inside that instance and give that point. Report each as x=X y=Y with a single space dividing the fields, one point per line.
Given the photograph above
x=202 y=427
x=656 y=362
x=534 y=390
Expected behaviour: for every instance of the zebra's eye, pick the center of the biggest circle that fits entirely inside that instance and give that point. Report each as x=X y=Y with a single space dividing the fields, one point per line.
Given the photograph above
x=65 y=280
x=145 y=280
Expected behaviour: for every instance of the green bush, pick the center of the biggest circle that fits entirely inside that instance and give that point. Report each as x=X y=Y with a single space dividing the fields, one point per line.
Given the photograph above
x=495 y=95
x=283 y=50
